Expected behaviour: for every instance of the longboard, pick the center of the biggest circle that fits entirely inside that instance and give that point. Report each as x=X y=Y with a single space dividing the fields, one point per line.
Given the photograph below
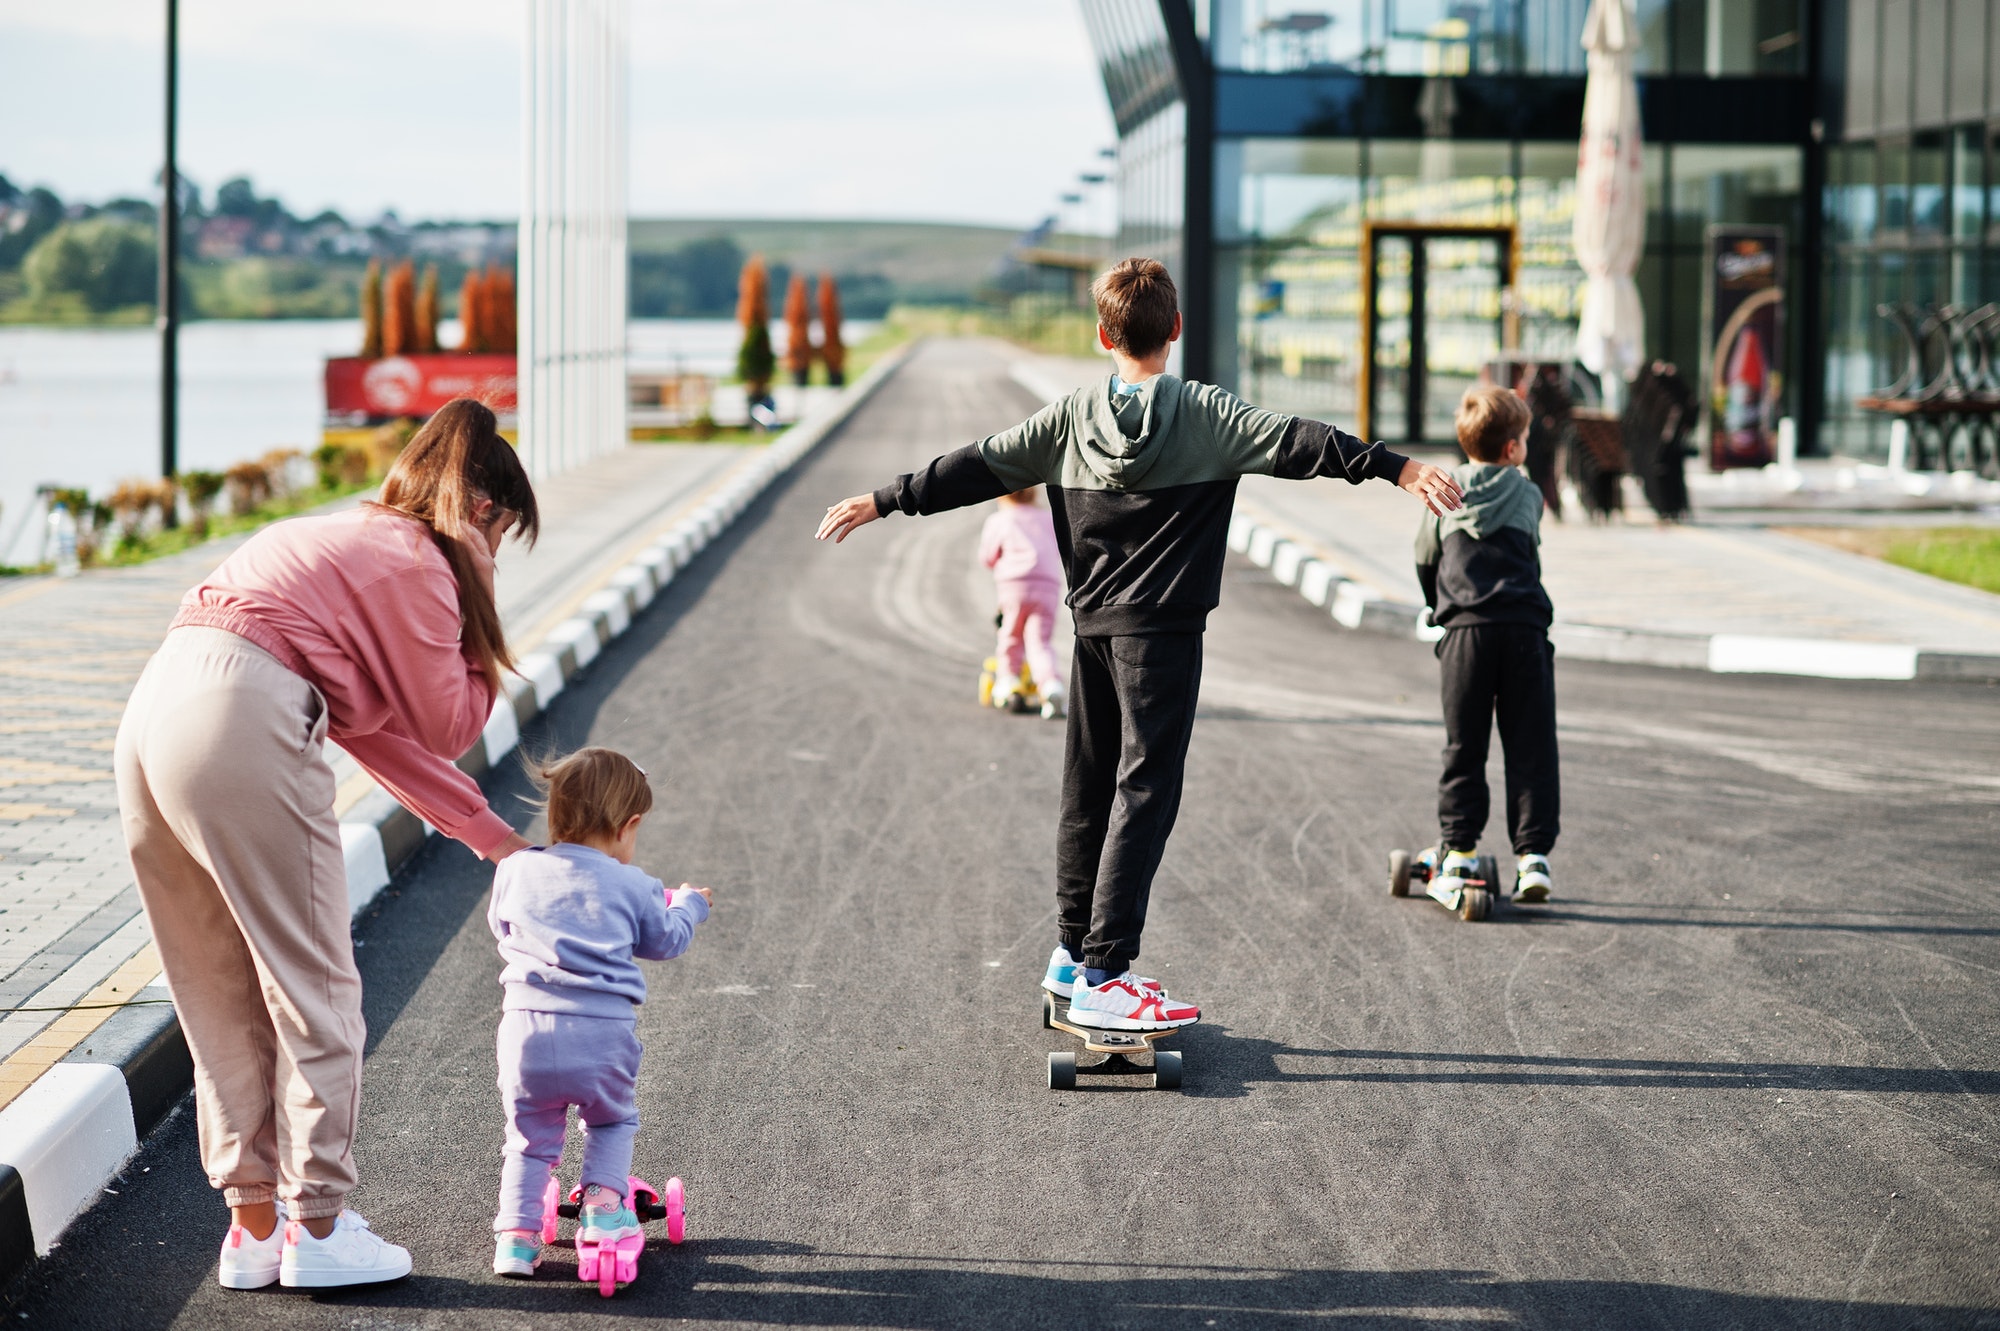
x=1118 y=1048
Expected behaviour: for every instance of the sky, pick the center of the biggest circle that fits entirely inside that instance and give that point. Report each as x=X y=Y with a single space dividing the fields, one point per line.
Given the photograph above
x=936 y=110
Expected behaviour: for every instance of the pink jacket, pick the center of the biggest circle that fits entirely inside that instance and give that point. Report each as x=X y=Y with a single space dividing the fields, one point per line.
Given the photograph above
x=1019 y=544
x=363 y=606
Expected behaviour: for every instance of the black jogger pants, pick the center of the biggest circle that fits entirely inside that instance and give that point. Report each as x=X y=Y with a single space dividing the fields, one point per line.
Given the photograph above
x=1131 y=710
x=1508 y=670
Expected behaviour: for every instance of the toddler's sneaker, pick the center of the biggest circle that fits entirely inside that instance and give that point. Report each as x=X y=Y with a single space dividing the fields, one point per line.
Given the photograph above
x=249 y=1262
x=1531 y=879
x=516 y=1253
x=1128 y=1002
x=352 y=1255
x=1055 y=703
x=606 y=1218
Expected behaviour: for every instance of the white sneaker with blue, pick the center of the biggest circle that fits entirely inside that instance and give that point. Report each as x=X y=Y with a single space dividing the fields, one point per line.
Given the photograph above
x=605 y=1216
x=516 y=1253
x=1060 y=978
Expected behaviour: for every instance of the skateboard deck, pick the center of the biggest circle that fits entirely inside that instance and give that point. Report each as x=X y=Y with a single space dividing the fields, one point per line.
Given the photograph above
x=1118 y=1047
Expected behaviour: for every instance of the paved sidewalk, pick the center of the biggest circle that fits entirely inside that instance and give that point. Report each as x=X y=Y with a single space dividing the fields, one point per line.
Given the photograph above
x=69 y=915
x=1729 y=577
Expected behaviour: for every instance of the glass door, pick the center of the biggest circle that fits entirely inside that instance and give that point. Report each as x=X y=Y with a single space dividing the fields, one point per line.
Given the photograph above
x=1433 y=320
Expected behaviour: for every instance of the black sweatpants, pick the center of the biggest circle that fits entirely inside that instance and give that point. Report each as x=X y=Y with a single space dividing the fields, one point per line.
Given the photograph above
x=1131 y=710
x=1508 y=669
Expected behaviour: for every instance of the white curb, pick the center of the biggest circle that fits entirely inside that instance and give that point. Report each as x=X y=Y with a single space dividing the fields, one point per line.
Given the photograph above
x=1356 y=606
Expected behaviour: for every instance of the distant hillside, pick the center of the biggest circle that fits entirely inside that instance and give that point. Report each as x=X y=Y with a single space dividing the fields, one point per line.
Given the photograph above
x=914 y=262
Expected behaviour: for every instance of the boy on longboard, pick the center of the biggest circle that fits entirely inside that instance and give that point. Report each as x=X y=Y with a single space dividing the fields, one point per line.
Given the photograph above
x=1141 y=470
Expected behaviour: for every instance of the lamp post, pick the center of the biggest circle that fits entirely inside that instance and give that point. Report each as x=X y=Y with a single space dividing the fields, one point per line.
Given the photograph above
x=170 y=246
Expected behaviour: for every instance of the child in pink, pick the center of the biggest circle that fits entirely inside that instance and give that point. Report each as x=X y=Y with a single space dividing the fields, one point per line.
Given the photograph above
x=1019 y=545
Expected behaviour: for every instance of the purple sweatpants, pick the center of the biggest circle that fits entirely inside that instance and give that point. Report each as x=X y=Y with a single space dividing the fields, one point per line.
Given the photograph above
x=548 y=1062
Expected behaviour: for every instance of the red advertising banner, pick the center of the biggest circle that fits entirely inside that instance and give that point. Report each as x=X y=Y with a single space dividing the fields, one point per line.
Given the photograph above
x=360 y=391
x=1746 y=359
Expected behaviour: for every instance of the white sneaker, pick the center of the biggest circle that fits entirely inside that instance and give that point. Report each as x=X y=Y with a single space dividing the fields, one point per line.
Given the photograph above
x=1055 y=703
x=352 y=1255
x=249 y=1262
x=1531 y=879
x=1128 y=1002
x=1060 y=977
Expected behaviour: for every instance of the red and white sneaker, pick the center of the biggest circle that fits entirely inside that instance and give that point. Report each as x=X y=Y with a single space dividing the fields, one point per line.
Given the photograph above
x=1128 y=1002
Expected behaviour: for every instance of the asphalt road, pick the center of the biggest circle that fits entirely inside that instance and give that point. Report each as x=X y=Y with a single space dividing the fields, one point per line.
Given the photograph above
x=1741 y=1073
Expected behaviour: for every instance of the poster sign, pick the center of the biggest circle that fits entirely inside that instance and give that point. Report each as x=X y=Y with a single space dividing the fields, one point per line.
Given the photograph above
x=364 y=391
x=1746 y=346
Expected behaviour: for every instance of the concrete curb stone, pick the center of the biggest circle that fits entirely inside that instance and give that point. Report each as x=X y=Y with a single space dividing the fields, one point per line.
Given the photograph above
x=75 y=1128
x=1355 y=605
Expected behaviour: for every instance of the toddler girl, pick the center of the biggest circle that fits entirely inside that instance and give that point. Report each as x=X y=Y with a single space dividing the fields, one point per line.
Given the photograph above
x=1019 y=545
x=571 y=917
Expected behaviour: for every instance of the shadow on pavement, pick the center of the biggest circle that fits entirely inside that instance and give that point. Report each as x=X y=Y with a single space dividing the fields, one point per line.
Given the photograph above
x=781 y=1284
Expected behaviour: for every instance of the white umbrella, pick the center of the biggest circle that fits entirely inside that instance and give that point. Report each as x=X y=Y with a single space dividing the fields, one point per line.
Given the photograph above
x=1610 y=227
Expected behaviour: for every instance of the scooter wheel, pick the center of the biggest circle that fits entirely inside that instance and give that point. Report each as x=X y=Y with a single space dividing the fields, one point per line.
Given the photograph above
x=607 y=1274
x=1489 y=872
x=1399 y=873
x=550 y=1196
x=1475 y=903
x=1166 y=1070
x=1062 y=1072
x=676 y=1200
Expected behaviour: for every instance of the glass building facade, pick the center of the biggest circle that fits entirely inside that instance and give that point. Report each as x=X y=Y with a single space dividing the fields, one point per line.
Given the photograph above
x=1911 y=208
x=1364 y=184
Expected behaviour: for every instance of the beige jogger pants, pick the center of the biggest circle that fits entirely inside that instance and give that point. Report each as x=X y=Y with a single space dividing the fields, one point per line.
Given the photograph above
x=228 y=814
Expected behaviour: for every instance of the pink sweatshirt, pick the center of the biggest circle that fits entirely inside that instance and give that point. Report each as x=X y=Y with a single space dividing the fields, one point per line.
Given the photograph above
x=1019 y=544
x=363 y=606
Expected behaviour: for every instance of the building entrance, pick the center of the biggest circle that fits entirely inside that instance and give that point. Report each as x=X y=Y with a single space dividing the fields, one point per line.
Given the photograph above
x=1433 y=311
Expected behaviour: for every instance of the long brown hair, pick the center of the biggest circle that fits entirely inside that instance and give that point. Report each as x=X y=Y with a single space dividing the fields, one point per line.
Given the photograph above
x=456 y=460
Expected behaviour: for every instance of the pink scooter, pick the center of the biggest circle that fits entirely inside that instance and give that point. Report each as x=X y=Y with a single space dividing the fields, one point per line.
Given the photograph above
x=617 y=1264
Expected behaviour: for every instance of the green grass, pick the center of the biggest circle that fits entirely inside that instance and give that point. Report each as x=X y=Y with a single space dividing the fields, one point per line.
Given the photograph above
x=1970 y=555
x=117 y=553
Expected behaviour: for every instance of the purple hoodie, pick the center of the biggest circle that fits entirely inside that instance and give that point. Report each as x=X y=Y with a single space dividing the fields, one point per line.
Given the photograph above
x=571 y=921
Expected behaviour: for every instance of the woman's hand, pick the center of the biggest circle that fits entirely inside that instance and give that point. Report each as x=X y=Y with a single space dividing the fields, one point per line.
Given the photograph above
x=515 y=841
x=845 y=516
x=1434 y=485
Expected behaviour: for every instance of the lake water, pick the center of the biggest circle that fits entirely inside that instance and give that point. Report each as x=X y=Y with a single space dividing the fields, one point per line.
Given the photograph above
x=80 y=407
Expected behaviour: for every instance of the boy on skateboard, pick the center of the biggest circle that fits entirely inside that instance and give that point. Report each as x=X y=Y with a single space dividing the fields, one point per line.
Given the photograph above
x=1482 y=577
x=1141 y=469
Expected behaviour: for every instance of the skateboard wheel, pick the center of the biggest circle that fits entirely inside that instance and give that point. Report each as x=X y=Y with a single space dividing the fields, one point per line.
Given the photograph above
x=1399 y=873
x=1489 y=872
x=1062 y=1072
x=1475 y=903
x=1048 y=1011
x=550 y=1196
x=676 y=1200
x=1166 y=1070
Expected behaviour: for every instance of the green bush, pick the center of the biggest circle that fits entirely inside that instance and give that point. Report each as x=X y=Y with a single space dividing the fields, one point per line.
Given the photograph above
x=103 y=264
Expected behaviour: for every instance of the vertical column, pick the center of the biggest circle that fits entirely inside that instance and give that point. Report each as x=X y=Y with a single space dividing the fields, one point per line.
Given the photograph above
x=572 y=232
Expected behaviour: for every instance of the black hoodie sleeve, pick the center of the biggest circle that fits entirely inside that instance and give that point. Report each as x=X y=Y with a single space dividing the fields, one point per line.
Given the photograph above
x=1314 y=448
x=952 y=481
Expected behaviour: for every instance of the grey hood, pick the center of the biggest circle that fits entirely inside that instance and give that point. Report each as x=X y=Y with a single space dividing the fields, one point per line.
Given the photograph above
x=1119 y=434
x=1496 y=497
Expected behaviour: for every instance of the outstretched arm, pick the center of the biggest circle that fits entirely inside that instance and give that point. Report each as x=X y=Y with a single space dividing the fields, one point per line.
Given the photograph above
x=1009 y=461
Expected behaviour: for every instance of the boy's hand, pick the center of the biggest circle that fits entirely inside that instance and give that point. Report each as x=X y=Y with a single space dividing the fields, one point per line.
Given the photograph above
x=845 y=516
x=1433 y=485
x=702 y=892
